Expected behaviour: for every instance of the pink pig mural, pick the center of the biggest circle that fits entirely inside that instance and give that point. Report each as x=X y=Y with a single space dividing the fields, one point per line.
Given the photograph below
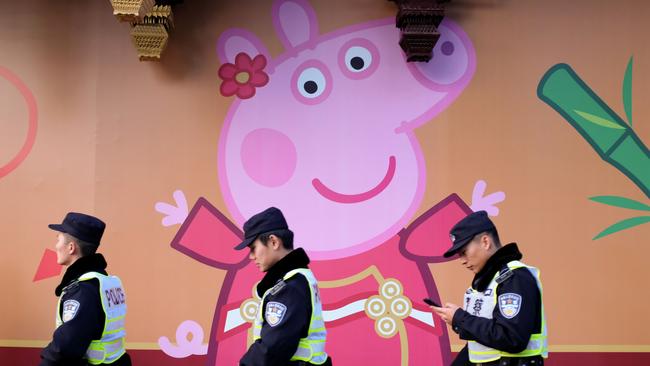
x=325 y=131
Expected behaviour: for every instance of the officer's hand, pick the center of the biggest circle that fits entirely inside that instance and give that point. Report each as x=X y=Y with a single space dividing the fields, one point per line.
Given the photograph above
x=446 y=312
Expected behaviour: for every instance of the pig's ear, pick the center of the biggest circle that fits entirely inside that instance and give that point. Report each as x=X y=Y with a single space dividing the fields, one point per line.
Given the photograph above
x=295 y=22
x=453 y=63
x=234 y=41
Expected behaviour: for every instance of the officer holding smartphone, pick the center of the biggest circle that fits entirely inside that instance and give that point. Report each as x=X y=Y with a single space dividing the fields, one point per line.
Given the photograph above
x=502 y=316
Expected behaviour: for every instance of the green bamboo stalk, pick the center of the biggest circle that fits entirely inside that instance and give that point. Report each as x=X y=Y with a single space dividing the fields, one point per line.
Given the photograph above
x=613 y=140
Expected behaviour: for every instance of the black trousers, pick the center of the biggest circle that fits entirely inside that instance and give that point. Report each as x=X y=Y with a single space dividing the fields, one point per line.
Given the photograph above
x=303 y=363
x=516 y=361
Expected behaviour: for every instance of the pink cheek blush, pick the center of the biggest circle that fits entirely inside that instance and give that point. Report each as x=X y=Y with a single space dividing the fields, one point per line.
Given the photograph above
x=269 y=157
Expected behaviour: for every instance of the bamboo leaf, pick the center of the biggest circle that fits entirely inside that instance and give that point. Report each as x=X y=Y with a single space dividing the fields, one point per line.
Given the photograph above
x=627 y=90
x=599 y=120
x=621 y=202
x=622 y=225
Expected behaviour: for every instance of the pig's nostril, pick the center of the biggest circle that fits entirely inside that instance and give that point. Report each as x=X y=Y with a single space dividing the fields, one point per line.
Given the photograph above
x=453 y=62
x=447 y=48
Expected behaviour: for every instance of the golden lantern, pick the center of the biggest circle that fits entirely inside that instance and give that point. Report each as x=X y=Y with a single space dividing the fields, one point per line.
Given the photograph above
x=150 y=36
x=132 y=10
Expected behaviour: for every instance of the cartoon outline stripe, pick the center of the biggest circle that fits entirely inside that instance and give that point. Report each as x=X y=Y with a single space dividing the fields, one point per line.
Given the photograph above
x=33 y=121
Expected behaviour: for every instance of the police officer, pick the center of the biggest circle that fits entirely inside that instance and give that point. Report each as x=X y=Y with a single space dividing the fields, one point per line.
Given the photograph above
x=289 y=328
x=91 y=308
x=502 y=317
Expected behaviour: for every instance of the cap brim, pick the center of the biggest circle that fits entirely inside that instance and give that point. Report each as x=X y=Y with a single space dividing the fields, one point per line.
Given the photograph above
x=57 y=227
x=456 y=247
x=244 y=244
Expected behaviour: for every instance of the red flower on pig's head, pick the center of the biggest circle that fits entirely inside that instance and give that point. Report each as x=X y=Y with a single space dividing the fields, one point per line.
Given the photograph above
x=244 y=76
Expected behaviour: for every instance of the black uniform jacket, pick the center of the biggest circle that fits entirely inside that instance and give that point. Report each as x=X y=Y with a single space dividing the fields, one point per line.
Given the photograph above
x=508 y=335
x=71 y=340
x=292 y=298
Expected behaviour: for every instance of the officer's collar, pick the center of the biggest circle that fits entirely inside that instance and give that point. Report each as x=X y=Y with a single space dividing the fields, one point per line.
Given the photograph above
x=500 y=258
x=297 y=258
x=91 y=263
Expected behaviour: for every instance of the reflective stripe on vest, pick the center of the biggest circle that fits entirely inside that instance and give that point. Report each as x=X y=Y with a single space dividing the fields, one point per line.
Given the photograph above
x=312 y=348
x=110 y=347
x=482 y=304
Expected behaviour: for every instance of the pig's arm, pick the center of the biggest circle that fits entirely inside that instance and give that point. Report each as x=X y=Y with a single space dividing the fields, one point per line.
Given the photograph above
x=206 y=234
x=427 y=238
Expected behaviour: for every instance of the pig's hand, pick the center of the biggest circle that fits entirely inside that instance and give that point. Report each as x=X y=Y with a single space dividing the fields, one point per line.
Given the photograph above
x=173 y=215
x=488 y=203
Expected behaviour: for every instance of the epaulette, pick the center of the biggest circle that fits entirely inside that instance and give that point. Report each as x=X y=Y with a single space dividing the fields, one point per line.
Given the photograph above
x=72 y=286
x=278 y=287
x=504 y=276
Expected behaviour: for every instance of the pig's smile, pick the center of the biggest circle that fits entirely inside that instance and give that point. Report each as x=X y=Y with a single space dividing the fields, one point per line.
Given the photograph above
x=357 y=197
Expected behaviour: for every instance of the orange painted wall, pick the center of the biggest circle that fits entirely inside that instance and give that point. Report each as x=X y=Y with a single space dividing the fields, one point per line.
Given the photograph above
x=116 y=135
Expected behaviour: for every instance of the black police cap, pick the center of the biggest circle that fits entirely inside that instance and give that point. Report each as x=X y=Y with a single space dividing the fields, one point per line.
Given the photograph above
x=266 y=221
x=465 y=230
x=83 y=227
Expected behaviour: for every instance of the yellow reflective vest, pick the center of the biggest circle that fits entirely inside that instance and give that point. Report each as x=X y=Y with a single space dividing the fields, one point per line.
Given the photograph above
x=537 y=344
x=111 y=346
x=312 y=348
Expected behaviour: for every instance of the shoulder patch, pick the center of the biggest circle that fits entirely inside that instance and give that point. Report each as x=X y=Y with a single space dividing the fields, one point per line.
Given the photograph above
x=509 y=305
x=274 y=313
x=70 y=308
x=504 y=276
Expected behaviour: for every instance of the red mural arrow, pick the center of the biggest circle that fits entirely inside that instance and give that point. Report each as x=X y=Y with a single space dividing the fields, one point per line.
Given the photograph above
x=48 y=266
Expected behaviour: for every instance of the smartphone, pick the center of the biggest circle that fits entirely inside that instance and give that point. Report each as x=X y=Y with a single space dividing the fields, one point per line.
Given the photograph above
x=431 y=302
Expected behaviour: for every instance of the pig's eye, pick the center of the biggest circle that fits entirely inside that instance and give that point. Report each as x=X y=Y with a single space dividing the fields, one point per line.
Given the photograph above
x=311 y=82
x=358 y=58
